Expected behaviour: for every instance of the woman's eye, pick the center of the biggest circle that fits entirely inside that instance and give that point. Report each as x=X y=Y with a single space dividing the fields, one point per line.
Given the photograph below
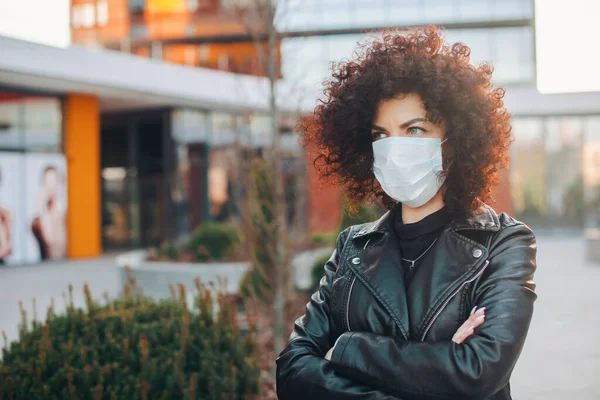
x=378 y=135
x=415 y=130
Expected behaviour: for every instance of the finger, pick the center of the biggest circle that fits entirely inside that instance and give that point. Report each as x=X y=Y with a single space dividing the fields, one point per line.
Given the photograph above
x=476 y=314
x=473 y=310
x=479 y=311
x=463 y=330
x=478 y=321
x=468 y=328
x=462 y=334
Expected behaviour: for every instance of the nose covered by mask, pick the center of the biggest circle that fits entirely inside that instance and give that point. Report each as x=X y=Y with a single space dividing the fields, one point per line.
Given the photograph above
x=408 y=169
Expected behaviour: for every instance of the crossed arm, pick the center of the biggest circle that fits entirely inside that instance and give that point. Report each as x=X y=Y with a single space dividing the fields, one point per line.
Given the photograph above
x=370 y=366
x=302 y=370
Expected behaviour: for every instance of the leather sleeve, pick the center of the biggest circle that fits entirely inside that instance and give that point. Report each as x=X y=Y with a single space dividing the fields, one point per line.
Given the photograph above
x=302 y=371
x=475 y=369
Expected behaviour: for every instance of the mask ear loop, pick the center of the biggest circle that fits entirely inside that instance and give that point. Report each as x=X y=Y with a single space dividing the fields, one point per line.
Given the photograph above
x=445 y=169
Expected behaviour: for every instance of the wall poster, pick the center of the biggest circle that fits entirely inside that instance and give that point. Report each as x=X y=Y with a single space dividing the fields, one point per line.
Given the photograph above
x=45 y=207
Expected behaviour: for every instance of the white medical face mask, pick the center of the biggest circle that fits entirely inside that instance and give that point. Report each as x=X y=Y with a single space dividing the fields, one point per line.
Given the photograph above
x=408 y=168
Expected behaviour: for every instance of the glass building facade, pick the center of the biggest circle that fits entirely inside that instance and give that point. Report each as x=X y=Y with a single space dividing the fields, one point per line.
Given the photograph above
x=165 y=172
x=33 y=197
x=508 y=42
x=555 y=169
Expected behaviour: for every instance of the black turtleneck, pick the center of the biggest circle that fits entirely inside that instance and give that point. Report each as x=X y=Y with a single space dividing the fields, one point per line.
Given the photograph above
x=417 y=237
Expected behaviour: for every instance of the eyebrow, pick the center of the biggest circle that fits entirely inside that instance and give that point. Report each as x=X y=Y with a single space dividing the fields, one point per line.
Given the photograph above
x=404 y=125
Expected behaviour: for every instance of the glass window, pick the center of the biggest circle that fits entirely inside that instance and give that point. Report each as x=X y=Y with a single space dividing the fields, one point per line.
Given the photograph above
x=564 y=194
x=135 y=5
x=473 y=10
x=528 y=170
x=512 y=9
x=438 y=10
x=190 y=126
x=223 y=129
x=513 y=55
x=11 y=121
x=42 y=124
x=297 y=15
x=260 y=130
x=591 y=172
x=478 y=40
x=510 y=50
x=369 y=13
x=32 y=123
x=406 y=12
x=102 y=12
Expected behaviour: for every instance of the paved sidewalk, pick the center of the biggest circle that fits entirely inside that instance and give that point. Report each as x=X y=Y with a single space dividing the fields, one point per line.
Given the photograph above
x=50 y=280
x=561 y=359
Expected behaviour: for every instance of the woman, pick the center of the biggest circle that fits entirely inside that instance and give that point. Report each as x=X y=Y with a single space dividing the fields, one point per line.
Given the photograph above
x=6 y=221
x=49 y=225
x=433 y=300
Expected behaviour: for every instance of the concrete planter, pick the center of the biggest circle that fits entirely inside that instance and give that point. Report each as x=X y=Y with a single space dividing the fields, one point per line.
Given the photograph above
x=592 y=244
x=303 y=263
x=154 y=277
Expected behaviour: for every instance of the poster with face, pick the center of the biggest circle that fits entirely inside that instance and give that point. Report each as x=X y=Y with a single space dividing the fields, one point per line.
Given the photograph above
x=46 y=206
x=12 y=212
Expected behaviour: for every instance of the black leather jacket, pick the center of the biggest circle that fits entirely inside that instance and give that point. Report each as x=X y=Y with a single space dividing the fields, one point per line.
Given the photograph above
x=396 y=344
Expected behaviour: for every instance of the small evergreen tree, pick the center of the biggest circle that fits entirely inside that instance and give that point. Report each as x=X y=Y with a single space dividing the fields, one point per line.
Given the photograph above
x=134 y=348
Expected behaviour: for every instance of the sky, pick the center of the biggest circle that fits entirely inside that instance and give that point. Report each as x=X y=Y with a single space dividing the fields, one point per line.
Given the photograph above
x=42 y=21
x=567 y=54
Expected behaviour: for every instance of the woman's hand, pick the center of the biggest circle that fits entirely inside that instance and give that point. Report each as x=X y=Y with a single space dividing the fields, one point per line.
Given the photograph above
x=477 y=317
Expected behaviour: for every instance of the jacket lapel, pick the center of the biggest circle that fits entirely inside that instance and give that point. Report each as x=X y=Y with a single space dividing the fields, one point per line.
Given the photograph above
x=441 y=272
x=378 y=266
x=449 y=263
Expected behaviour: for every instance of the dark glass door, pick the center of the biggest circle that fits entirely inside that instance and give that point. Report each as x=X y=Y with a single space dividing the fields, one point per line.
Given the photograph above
x=134 y=206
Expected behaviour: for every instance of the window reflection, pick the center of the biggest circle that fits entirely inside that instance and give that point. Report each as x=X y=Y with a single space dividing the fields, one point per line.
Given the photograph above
x=31 y=123
x=43 y=124
x=510 y=50
x=11 y=121
x=591 y=172
x=527 y=172
x=564 y=196
x=190 y=132
x=361 y=13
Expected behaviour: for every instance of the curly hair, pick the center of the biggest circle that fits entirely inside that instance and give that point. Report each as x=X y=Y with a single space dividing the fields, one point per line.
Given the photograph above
x=456 y=95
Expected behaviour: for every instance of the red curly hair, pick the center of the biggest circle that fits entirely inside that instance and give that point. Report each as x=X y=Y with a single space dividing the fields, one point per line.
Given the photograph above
x=456 y=94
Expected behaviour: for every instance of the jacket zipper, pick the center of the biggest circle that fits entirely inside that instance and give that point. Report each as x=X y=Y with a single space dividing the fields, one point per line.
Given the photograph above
x=348 y=304
x=437 y=314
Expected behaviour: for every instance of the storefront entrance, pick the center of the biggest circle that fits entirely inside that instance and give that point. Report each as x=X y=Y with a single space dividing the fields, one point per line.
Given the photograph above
x=134 y=186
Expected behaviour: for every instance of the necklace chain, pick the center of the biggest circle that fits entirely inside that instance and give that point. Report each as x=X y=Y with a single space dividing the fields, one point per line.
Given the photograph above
x=412 y=262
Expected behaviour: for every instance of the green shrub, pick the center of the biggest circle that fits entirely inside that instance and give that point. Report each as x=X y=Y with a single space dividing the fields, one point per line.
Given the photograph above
x=317 y=272
x=214 y=241
x=323 y=239
x=133 y=348
x=256 y=283
x=169 y=250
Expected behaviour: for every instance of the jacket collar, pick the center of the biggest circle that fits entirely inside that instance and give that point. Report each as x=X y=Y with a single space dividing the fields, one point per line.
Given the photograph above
x=482 y=219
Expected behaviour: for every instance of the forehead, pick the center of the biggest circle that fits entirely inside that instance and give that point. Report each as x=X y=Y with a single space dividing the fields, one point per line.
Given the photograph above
x=51 y=173
x=400 y=108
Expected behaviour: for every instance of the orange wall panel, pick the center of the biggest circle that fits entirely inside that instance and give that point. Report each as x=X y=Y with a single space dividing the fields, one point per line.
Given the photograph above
x=324 y=199
x=82 y=150
x=502 y=195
